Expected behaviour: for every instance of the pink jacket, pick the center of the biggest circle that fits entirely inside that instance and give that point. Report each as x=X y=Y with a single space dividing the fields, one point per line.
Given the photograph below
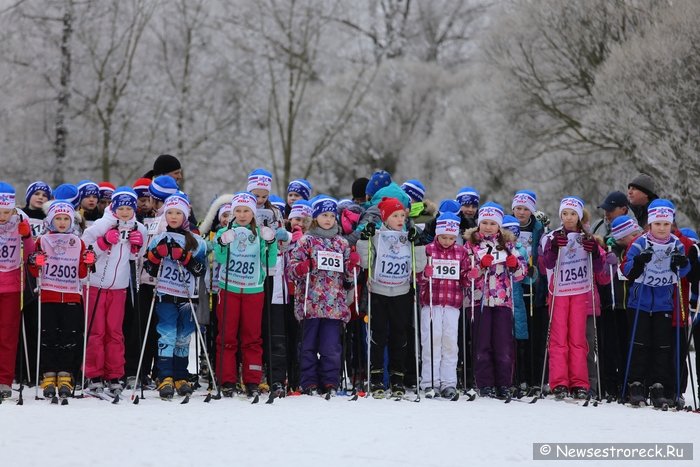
x=10 y=281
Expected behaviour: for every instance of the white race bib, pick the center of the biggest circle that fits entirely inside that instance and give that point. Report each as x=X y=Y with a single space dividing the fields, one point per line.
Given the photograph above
x=574 y=276
x=174 y=279
x=244 y=260
x=393 y=265
x=446 y=269
x=60 y=273
x=10 y=245
x=330 y=261
x=657 y=272
x=152 y=224
x=38 y=227
x=499 y=256
x=525 y=239
x=125 y=229
x=265 y=217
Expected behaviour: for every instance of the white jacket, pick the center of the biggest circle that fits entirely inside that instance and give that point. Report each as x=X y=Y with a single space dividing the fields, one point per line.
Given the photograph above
x=112 y=266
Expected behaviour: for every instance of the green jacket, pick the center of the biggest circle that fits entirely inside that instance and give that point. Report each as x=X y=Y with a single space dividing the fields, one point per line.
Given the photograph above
x=267 y=252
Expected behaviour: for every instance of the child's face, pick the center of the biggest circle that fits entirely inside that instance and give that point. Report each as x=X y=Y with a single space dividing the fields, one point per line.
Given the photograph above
x=660 y=229
x=569 y=219
x=225 y=218
x=469 y=210
x=243 y=215
x=522 y=214
x=61 y=222
x=144 y=204
x=293 y=197
x=488 y=227
x=175 y=218
x=90 y=202
x=446 y=241
x=396 y=220
x=296 y=221
x=615 y=213
x=38 y=199
x=124 y=213
x=625 y=241
x=5 y=215
x=261 y=196
x=326 y=220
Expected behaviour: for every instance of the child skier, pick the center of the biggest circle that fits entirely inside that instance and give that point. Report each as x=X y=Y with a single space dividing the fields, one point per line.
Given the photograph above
x=654 y=262
x=441 y=287
x=16 y=246
x=241 y=247
x=179 y=256
x=389 y=255
x=37 y=194
x=89 y=197
x=497 y=264
x=323 y=258
x=60 y=262
x=117 y=238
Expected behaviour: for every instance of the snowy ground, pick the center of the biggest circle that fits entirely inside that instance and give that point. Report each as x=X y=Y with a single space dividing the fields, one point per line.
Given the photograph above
x=310 y=431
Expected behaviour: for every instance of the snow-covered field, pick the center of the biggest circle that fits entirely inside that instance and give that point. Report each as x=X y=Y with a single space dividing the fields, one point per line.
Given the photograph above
x=310 y=431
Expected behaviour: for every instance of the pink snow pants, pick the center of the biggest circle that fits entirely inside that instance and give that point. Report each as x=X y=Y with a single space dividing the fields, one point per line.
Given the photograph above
x=10 y=318
x=105 y=345
x=568 y=346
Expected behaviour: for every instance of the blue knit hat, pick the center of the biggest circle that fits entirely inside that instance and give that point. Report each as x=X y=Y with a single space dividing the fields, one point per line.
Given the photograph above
x=512 y=224
x=277 y=202
x=468 y=196
x=162 y=187
x=88 y=188
x=448 y=205
x=377 y=181
x=323 y=203
x=414 y=189
x=661 y=210
x=69 y=193
x=7 y=196
x=623 y=226
x=300 y=186
x=123 y=196
x=37 y=186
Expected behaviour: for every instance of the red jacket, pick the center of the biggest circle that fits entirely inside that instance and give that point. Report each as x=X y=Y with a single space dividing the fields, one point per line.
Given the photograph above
x=685 y=284
x=446 y=292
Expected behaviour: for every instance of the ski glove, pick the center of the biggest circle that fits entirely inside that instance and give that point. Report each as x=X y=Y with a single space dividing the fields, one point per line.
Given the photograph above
x=428 y=272
x=561 y=240
x=486 y=261
x=512 y=262
x=473 y=273
x=24 y=229
x=37 y=259
x=302 y=268
x=611 y=258
x=281 y=235
x=644 y=257
x=413 y=234
x=353 y=260
x=89 y=257
x=194 y=266
x=178 y=253
x=297 y=234
x=160 y=251
x=678 y=260
x=611 y=242
x=368 y=231
x=227 y=237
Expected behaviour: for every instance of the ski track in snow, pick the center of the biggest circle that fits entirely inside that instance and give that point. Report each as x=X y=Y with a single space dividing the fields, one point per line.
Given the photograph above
x=310 y=431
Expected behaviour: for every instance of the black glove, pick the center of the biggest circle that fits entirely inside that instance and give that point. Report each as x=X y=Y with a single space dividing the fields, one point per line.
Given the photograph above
x=678 y=260
x=369 y=231
x=195 y=267
x=644 y=257
x=150 y=268
x=413 y=234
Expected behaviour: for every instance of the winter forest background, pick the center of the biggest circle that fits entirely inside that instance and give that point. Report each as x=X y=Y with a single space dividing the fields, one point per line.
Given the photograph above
x=565 y=97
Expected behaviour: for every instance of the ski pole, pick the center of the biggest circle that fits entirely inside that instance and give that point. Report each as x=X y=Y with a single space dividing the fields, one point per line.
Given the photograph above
x=268 y=305
x=551 y=314
x=143 y=344
x=631 y=346
x=86 y=305
x=691 y=339
x=679 y=312
x=464 y=331
x=595 y=326
x=222 y=324
x=38 y=339
x=484 y=286
x=416 y=322
x=430 y=295
x=199 y=332
x=369 y=313
x=20 y=401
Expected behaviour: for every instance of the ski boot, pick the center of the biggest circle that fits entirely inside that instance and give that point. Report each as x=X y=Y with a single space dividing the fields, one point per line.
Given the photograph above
x=449 y=393
x=65 y=384
x=560 y=392
x=115 y=386
x=656 y=394
x=503 y=393
x=637 y=394
x=252 y=390
x=227 y=389
x=579 y=392
x=5 y=391
x=48 y=385
x=183 y=387
x=487 y=391
x=166 y=388
x=397 y=390
x=95 y=385
x=431 y=393
x=310 y=391
x=277 y=389
x=376 y=385
x=330 y=391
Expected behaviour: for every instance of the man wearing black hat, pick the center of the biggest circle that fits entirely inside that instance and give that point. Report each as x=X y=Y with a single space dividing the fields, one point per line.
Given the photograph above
x=614 y=205
x=165 y=164
x=640 y=192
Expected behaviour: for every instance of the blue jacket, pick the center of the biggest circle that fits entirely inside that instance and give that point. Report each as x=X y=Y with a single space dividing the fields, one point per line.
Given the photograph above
x=645 y=297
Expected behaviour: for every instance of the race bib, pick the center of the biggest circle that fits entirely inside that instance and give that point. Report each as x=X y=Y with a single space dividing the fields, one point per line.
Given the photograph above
x=60 y=273
x=10 y=245
x=265 y=217
x=38 y=227
x=175 y=279
x=243 y=269
x=330 y=261
x=393 y=265
x=499 y=256
x=658 y=271
x=124 y=229
x=446 y=269
x=574 y=275
x=151 y=224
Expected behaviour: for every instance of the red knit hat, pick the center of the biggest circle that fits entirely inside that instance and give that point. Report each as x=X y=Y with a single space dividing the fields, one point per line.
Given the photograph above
x=388 y=206
x=140 y=186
